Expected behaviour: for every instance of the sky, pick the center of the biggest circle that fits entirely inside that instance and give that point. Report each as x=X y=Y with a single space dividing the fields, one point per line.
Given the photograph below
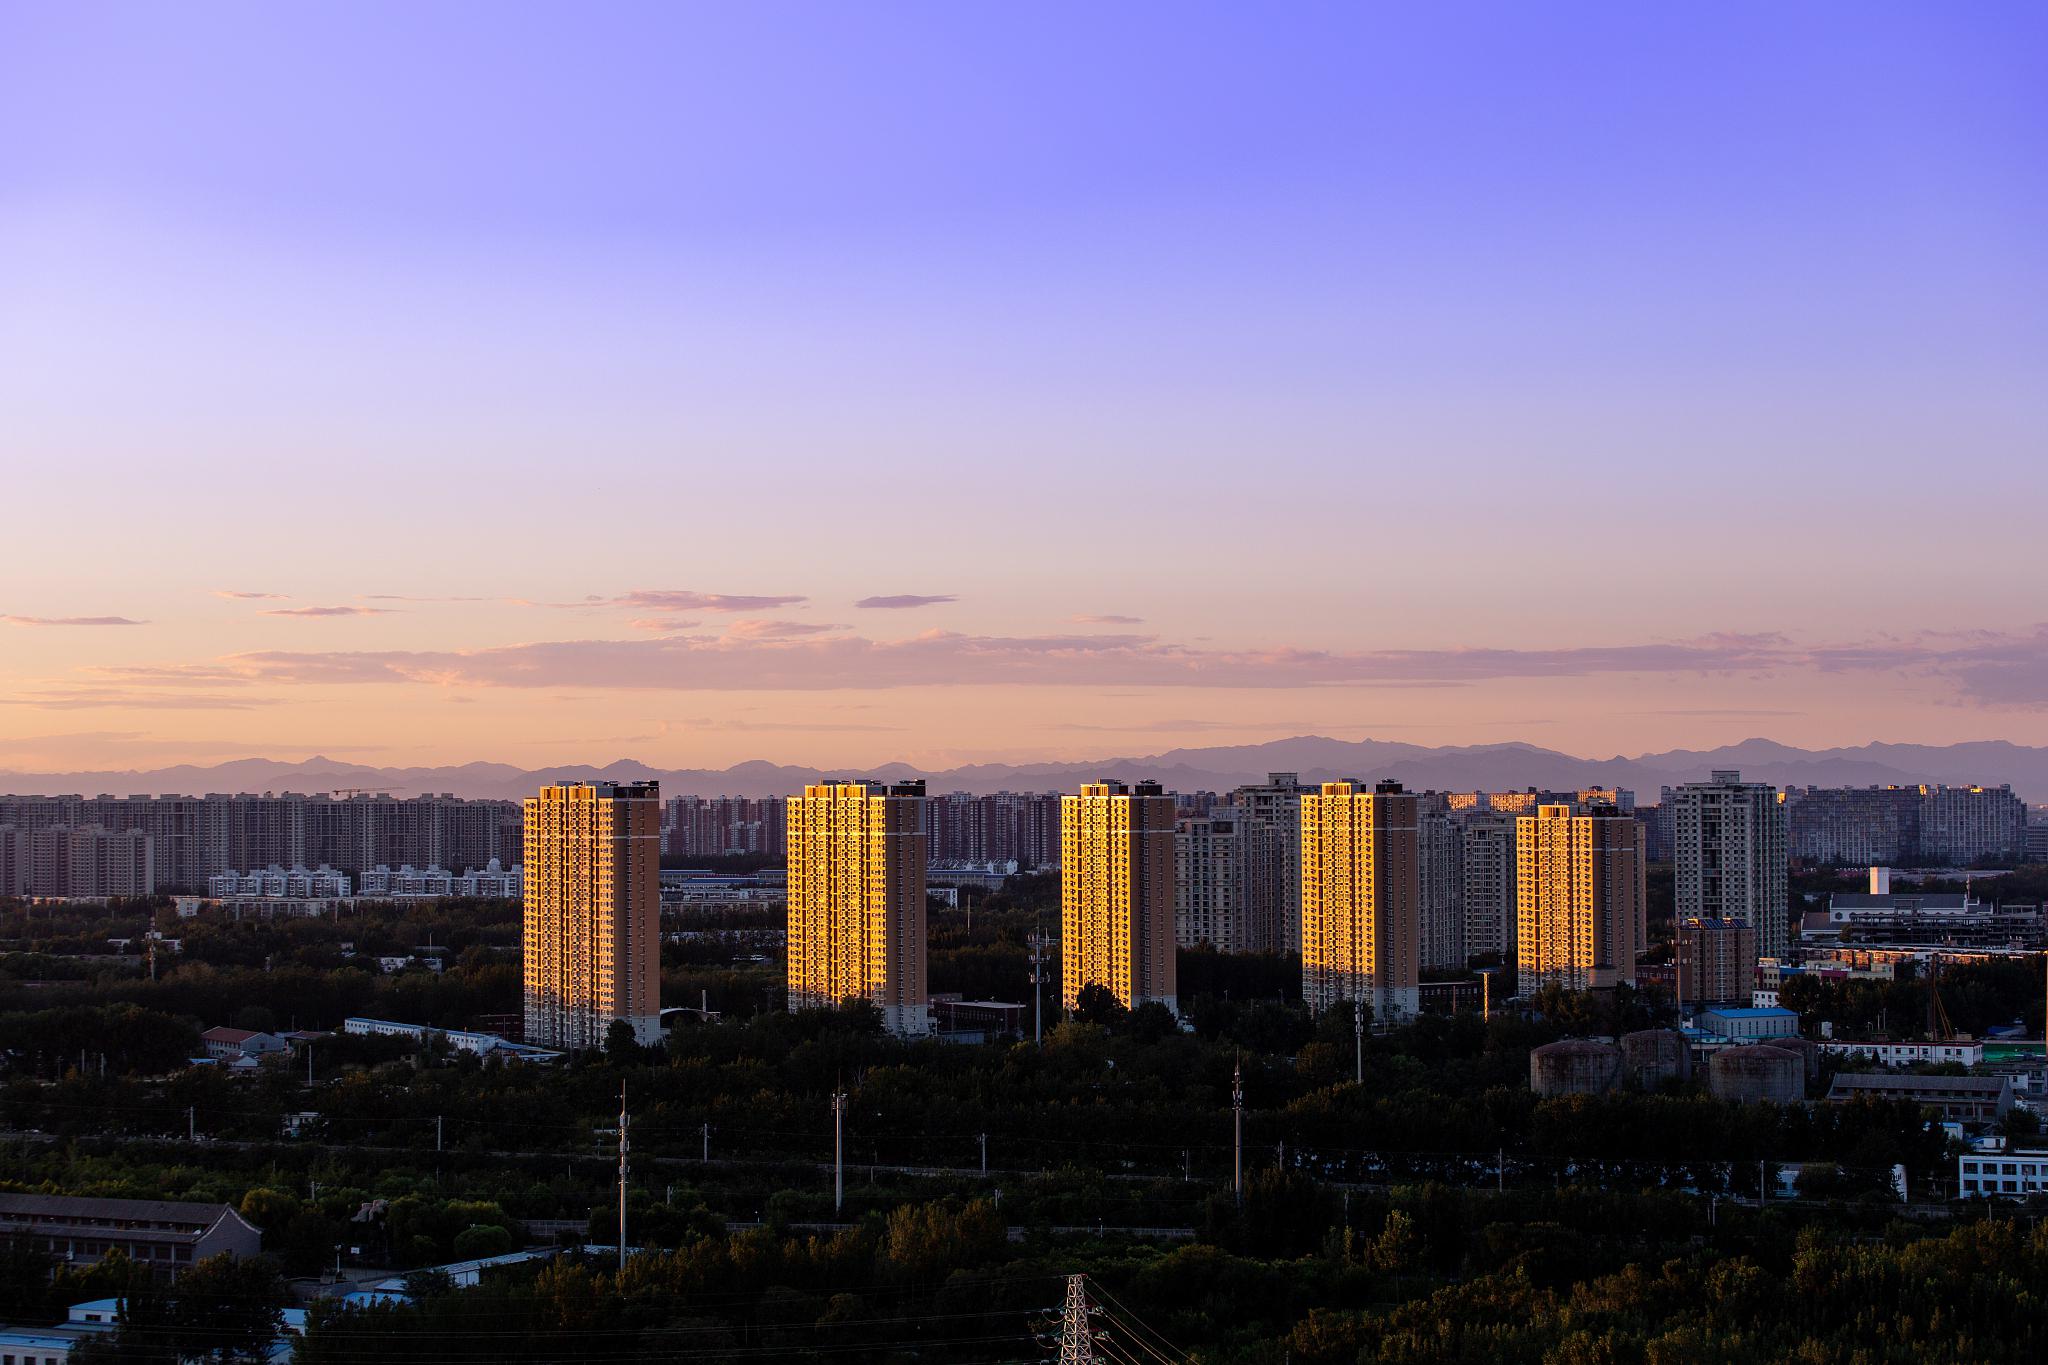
x=838 y=384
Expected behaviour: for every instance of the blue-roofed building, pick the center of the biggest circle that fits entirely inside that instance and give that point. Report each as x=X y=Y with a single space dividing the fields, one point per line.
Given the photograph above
x=45 y=1345
x=461 y=1040
x=1748 y=1025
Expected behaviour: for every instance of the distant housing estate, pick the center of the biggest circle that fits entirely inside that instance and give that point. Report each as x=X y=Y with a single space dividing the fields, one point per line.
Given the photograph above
x=76 y=860
x=1906 y=826
x=194 y=837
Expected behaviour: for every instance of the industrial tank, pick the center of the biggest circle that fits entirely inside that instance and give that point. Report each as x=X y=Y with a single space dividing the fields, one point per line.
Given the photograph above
x=1574 y=1066
x=1759 y=1072
x=1653 y=1056
x=1808 y=1052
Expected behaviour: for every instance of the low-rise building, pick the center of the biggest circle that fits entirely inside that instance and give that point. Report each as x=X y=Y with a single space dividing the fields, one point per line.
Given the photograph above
x=277 y=882
x=2008 y=1175
x=1744 y=1025
x=1964 y=1052
x=461 y=1040
x=235 y=1044
x=1716 y=961
x=48 y=1345
x=1963 y=1099
x=977 y=1021
x=168 y=1235
x=492 y=881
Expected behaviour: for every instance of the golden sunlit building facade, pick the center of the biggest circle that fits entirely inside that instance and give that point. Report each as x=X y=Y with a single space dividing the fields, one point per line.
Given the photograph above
x=1580 y=903
x=591 y=937
x=857 y=900
x=1116 y=894
x=1361 y=898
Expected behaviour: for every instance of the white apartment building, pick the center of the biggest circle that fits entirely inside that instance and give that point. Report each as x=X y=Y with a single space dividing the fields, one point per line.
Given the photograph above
x=280 y=883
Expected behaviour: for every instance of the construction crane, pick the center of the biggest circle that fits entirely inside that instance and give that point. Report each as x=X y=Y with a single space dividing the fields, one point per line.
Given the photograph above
x=1939 y=1029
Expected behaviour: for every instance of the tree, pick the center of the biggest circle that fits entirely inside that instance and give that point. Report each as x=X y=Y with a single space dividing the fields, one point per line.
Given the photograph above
x=221 y=1309
x=480 y=1240
x=24 y=1280
x=1152 y=1021
x=619 y=1043
x=229 y=1307
x=1097 y=1004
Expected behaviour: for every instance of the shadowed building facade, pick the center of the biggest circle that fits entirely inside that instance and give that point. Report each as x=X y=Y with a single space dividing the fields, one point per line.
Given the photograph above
x=1730 y=856
x=1579 y=888
x=1117 y=894
x=857 y=899
x=592 y=932
x=1361 y=898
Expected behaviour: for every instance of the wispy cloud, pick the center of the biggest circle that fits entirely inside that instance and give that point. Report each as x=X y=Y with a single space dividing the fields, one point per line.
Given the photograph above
x=127 y=746
x=108 y=698
x=1995 y=669
x=171 y=675
x=409 y=597
x=236 y=595
x=328 y=611
x=1107 y=620
x=660 y=624
x=901 y=601
x=768 y=655
x=797 y=727
x=1190 y=726
x=71 y=621
x=777 y=630
x=675 y=600
x=1717 y=712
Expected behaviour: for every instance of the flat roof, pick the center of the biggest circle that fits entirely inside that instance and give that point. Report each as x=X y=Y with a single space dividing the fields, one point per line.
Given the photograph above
x=1867 y=1080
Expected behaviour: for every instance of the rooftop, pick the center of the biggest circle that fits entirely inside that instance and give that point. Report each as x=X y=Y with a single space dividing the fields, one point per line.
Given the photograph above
x=1870 y=1080
x=112 y=1210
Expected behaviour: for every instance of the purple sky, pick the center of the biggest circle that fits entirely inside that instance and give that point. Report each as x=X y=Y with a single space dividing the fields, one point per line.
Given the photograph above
x=852 y=382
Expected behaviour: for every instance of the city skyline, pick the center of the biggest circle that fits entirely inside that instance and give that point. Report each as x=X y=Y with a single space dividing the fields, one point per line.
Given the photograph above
x=1622 y=295
x=1174 y=680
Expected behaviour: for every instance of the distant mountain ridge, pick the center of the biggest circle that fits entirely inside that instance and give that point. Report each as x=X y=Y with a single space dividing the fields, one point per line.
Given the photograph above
x=1492 y=767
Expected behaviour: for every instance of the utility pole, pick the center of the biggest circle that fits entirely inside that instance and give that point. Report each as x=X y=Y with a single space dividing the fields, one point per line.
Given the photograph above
x=1077 y=1339
x=1500 y=1171
x=309 y=1062
x=191 y=1124
x=707 y=1143
x=984 y=1153
x=1358 y=1036
x=624 y=1149
x=1037 y=990
x=437 y=1125
x=838 y=1150
x=1486 y=996
x=1237 y=1117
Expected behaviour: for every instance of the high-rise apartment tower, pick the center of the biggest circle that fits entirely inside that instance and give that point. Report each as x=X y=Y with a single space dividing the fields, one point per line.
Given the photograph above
x=1729 y=855
x=1116 y=893
x=1276 y=805
x=1579 y=898
x=592 y=938
x=1361 y=898
x=857 y=899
